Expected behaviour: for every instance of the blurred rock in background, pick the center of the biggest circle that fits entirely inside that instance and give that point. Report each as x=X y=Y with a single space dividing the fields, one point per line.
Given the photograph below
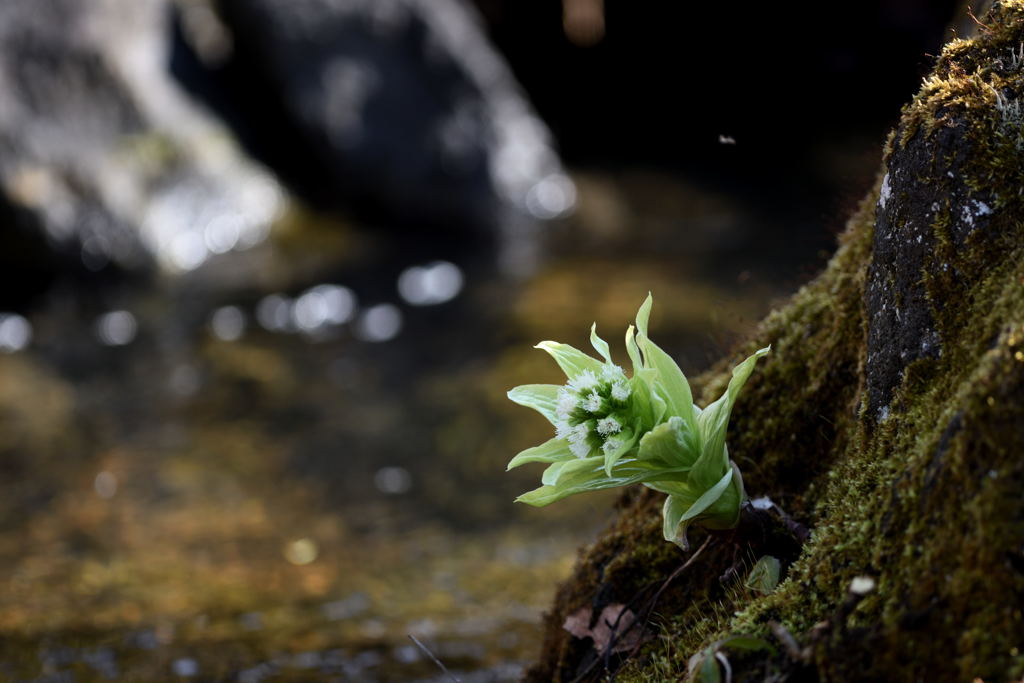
x=100 y=150
x=396 y=107
x=401 y=107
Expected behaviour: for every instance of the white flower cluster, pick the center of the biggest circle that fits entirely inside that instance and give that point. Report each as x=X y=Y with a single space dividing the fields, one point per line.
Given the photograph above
x=592 y=409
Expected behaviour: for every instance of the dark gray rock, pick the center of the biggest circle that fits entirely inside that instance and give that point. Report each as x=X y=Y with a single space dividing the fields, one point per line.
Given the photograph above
x=403 y=103
x=929 y=172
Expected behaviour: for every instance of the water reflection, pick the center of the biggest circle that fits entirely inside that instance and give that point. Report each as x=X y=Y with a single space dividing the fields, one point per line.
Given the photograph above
x=552 y=197
x=379 y=323
x=302 y=552
x=15 y=332
x=189 y=222
x=434 y=283
x=116 y=328
x=105 y=485
x=393 y=480
x=184 y=380
x=274 y=313
x=185 y=667
x=322 y=306
x=228 y=323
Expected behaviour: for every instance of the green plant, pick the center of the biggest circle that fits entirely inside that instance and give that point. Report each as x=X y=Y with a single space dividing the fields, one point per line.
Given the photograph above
x=708 y=665
x=613 y=430
x=764 y=575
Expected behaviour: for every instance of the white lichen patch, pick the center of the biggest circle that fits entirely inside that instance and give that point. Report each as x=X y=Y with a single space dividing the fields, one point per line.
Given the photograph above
x=972 y=210
x=885 y=192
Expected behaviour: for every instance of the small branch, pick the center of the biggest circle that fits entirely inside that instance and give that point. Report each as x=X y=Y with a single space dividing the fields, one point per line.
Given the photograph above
x=431 y=655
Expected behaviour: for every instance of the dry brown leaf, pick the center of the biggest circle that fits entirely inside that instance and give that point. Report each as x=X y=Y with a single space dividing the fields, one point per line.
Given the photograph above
x=615 y=621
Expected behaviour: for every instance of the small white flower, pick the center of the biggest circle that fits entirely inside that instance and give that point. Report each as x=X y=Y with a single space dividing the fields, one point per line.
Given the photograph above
x=580 y=449
x=621 y=391
x=578 y=434
x=611 y=445
x=612 y=373
x=563 y=429
x=593 y=402
x=608 y=426
x=567 y=403
x=583 y=381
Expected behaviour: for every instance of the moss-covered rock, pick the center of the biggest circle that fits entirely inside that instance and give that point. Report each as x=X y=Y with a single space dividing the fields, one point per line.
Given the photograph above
x=887 y=420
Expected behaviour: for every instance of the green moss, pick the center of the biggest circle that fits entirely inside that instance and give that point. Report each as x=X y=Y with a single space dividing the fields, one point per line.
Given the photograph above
x=923 y=496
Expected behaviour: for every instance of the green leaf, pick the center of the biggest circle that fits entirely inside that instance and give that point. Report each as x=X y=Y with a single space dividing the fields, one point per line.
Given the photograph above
x=724 y=513
x=669 y=444
x=708 y=497
x=672 y=517
x=553 y=471
x=633 y=350
x=541 y=397
x=571 y=360
x=672 y=381
x=647 y=405
x=588 y=474
x=709 y=672
x=580 y=475
x=747 y=644
x=714 y=420
x=628 y=442
x=644 y=314
x=709 y=468
x=552 y=450
x=600 y=345
x=764 y=575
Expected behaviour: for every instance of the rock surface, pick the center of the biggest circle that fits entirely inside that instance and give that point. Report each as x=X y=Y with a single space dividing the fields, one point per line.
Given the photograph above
x=403 y=103
x=102 y=152
x=887 y=419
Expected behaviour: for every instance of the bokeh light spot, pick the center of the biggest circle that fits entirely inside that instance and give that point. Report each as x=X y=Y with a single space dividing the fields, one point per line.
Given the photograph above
x=301 y=552
x=15 y=332
x=116 y=328
x=434 y=283
x=105 y=485
x=228 y=323
x=393 y=480
x=323 y=305
x=379 y=323
x=274 y=313
x=551 y=197
x=185 y=667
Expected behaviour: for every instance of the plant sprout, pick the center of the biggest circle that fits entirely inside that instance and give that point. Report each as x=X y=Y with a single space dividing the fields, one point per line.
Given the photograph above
x=613 y=430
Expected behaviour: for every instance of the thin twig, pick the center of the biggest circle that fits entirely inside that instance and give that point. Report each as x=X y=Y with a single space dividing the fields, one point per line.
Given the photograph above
x=642 y=616
x=679 y=571
x=431 y=655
